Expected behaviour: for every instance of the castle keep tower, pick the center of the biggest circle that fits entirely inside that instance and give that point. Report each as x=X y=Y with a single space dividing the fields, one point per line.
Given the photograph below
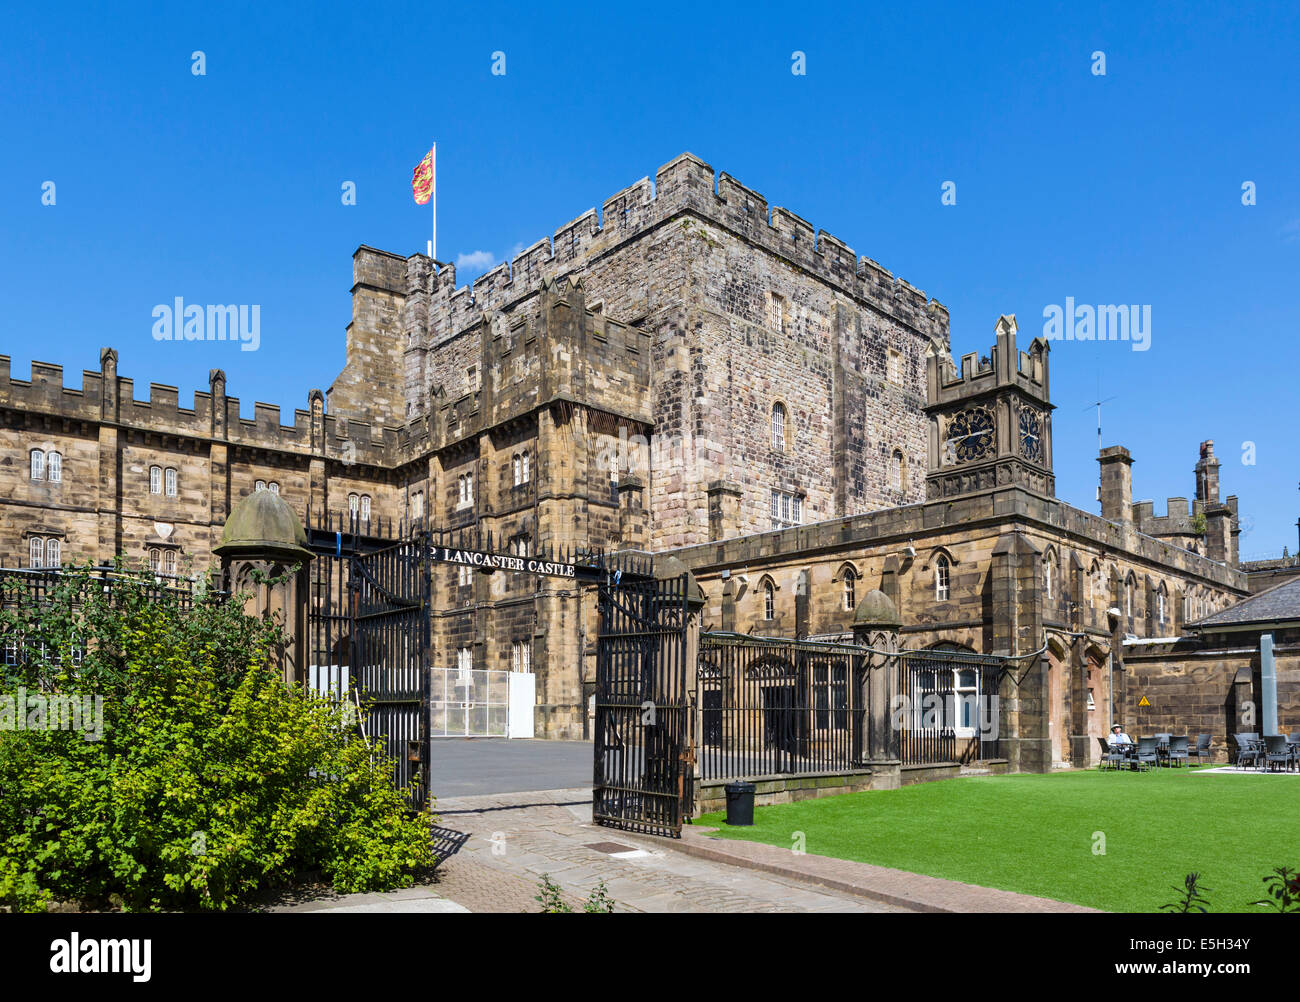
x=788 y=373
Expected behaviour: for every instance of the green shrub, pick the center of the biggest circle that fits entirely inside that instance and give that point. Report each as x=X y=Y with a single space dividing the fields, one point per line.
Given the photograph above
x=212 y=780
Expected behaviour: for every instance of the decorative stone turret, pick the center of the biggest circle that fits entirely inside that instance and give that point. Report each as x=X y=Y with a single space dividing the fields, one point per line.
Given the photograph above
x=264 y=554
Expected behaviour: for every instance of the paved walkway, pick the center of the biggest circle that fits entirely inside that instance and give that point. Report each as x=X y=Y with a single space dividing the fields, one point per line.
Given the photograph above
x=519 y=836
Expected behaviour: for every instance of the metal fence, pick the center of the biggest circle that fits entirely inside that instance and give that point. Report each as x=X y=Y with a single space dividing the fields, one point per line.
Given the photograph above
x=948 y=710
x=772 y=707
x=42 y=588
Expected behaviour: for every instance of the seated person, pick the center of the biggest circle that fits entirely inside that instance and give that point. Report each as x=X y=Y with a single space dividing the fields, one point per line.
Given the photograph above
x=1118 y=737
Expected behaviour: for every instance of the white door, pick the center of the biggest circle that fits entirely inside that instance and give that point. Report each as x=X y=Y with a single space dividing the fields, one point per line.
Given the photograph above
x=523 y=695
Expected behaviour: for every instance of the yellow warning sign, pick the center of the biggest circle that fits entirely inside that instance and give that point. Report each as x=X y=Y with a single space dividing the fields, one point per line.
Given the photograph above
x=1144 y=701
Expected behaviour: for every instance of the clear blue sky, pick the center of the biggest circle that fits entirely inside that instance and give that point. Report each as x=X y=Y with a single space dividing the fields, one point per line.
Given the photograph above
x=1123 y=188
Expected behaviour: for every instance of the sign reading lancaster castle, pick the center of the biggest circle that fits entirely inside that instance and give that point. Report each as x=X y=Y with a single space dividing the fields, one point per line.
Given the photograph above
x=823 y=444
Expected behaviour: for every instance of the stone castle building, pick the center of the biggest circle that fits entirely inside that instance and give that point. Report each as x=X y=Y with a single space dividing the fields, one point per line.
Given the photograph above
x=688 y=371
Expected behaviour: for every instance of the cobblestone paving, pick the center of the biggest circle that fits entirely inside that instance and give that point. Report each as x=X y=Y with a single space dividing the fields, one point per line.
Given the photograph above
x=515 y=838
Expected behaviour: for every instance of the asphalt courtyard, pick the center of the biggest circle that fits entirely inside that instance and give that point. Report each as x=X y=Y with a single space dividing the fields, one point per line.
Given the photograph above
x=476 y=767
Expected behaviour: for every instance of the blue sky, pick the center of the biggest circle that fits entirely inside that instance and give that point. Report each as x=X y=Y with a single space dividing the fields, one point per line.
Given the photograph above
x=1122 y=188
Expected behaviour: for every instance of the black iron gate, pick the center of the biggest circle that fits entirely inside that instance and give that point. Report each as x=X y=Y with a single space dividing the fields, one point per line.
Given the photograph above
x=369 y=639
x=643 y=777
x=390 y=657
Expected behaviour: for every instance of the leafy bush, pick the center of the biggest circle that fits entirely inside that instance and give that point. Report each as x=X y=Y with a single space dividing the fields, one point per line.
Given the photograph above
x=212 y=780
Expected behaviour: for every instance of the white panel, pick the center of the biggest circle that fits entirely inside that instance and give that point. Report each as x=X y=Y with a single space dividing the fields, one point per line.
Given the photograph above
x=523 y=696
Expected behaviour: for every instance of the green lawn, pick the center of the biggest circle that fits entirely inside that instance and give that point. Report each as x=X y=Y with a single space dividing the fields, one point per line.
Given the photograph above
x=1035 y=834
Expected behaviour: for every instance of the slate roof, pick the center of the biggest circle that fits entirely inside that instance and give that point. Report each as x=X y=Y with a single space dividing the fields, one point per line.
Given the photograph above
x=1279 y=604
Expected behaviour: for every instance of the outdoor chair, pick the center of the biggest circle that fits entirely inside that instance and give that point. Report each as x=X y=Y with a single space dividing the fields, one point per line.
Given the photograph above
x=1248 y=752
x=1278 y=752
x=1162 y=748
x=1202 y=748
x=1147 y=754
x=1293 y=743
x=1178 y=750
x=1114 y=757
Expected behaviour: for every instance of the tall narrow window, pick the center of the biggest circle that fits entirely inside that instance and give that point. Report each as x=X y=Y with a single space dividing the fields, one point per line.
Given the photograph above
x=171 y=482
x=523 y=460
x=169 y=562
x=38 y=464
x=1160 y=607
x=354 y=503
x=895 y=371
x=941 y=569
x=521 y=656
x=778 y=428
x=155 y=560
x=1128 y=597
x=896 y=470
x=769 y=600
x=54 y=468
x=417 y=504
x=775 y=311
x=365 y=507
x=464 y=575
x=36 y=552
x=1048 y=576
x=850 y=591
x=53 y=554
x=519 y=470
x=274 y=488
x=155 y=480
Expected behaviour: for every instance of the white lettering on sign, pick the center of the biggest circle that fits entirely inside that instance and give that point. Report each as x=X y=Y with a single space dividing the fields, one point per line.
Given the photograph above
x=504 y=562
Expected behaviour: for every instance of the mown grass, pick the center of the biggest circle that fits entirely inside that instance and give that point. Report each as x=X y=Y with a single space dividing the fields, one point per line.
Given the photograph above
x=1041 y=834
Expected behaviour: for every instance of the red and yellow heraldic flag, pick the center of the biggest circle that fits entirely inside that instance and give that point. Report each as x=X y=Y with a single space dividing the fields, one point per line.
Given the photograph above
x=422 y=180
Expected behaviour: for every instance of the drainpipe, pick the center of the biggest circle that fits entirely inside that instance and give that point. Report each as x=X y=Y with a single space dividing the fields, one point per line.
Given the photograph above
x=1268 y=676
x=1110 y=689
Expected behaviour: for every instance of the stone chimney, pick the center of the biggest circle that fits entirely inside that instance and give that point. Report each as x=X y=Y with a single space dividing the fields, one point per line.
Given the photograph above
x=1116 y=484
x=1207 y=475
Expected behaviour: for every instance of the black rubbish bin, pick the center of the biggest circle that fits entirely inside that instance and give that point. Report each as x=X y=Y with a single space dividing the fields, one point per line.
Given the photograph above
x=740 y=803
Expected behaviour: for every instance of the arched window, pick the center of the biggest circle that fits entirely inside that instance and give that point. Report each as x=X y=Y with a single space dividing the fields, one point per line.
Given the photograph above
x=365 y=507
x=1049 y=574
x=769 y=600
x=941 y=570
x=274 y=488
x=38 y=464
x=36 y=552
x=169 y=562
x=896 y=470
x=850 y=590
x=53 y=553
x=155 y=480
x=1160 y=605
x=417 y=504
x=259 y=486
x=523 y=460
x=1130 y=586
x=171 y=482
x=54 y=468
x=353 y=503
x=155 y=560
x=519 y=470
x=778 y=427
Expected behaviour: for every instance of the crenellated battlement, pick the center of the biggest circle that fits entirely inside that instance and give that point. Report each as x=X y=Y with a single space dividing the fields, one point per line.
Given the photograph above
x=684 y=185
x=1005 y=365
x=214 y=415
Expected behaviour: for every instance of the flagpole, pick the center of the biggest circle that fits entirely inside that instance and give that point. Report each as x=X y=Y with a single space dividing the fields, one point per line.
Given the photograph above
x=433 y=244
